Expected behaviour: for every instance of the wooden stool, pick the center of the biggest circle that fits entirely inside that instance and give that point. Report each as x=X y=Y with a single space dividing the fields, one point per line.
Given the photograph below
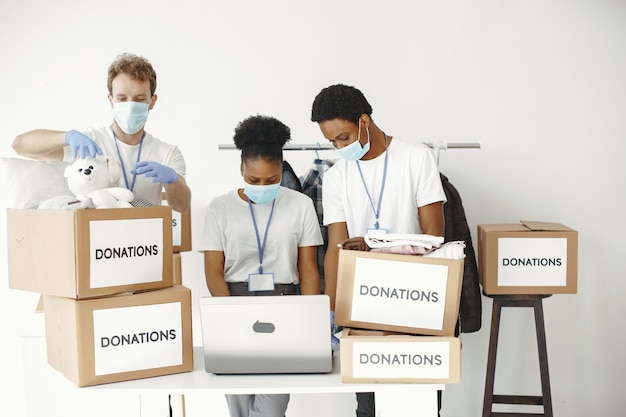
x=545 y=399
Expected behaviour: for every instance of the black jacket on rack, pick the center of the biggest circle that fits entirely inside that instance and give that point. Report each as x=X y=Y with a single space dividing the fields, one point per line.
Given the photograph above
x=289 y=178
x=457 y=228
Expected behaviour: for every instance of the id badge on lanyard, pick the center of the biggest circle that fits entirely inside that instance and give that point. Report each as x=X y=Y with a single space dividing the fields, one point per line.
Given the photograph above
x=261 y=281
x=376 y=210
x=129 y=186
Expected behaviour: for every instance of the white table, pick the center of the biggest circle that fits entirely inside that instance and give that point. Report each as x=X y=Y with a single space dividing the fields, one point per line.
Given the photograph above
x=391 y=399
x=416 y=400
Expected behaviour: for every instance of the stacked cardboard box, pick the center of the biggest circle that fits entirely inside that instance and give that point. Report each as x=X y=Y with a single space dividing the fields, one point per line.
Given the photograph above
x=112 y=311
x=181 y=239
x=399 y=314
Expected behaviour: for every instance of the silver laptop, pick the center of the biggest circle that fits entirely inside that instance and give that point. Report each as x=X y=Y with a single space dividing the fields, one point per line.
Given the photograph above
x=266 y=335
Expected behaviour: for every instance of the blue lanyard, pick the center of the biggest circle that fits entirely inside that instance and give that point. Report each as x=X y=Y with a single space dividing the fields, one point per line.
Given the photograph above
x=260 y=247
x=132 y=185
x=382 y=188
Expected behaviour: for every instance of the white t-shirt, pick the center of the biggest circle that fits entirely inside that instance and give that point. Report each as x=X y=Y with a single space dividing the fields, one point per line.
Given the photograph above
x=412 y=181
x=228 y=228
x=152 y=149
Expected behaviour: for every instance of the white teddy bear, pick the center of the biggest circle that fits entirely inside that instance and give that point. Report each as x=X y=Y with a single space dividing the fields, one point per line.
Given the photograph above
x=93 y=182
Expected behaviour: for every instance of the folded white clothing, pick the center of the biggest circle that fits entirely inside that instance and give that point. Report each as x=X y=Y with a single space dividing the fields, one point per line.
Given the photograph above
x=449 y=250
x=386 y=240
x=403 y=250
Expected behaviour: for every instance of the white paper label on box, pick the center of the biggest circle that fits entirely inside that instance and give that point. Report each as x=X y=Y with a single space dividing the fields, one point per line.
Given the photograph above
x=177 y=226
x=125 y=252
x=135 y=338
x=532 y=262
x=398 y=293
x=429 y=360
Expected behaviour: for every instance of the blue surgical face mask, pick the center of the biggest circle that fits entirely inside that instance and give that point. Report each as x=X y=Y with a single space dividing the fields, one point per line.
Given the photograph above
x=262 y=194
x=354 y=151
x=130 y=116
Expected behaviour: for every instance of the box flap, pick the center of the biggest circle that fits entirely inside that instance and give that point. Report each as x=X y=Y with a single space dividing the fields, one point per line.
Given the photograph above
x=367 y=332
x=504 y=227
x=544 y=226
x=525 y=226
x=39 y=308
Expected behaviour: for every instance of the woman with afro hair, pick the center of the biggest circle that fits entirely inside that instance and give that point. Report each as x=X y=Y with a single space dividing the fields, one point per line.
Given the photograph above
x=261 y=239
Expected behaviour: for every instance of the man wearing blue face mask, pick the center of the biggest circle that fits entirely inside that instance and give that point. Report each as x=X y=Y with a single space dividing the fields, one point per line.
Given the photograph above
x=149 y=165
x=382 y=183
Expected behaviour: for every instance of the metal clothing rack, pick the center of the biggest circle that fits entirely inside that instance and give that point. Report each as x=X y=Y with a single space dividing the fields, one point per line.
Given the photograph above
x=328 y=147
x=436 y=146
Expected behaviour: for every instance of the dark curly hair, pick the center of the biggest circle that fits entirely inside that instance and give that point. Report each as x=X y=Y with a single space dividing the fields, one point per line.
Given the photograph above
x=135 y=66
x=261 y=137
x=340 y=101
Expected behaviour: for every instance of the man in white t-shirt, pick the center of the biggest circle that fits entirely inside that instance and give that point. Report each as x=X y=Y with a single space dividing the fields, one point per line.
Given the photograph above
x=149 y=165
x=381 y=182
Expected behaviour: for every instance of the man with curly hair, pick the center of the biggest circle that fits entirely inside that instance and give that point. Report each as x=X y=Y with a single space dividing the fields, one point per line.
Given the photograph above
x=149 y=165
x=381 y=183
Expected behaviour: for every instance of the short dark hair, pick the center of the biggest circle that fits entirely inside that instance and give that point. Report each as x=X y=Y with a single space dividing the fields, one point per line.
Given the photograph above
x=340 y=101
x=261 y=137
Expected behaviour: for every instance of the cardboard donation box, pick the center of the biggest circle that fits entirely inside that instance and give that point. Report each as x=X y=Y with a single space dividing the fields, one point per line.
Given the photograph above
x=376 y=356
x=528 y=258
x=177 y=269
x=91 y=252
x=401 y=293
x=119 y=338
x=181 y=229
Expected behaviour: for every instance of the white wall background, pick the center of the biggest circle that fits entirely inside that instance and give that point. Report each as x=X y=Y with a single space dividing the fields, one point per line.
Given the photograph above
x=540 y=84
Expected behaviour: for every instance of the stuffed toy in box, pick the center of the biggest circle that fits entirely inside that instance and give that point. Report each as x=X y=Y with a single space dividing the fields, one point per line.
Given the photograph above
x=92 y=183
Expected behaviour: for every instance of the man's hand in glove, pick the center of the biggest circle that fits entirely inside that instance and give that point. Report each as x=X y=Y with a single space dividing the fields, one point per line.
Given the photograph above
x=82 y=145
x=158 y=173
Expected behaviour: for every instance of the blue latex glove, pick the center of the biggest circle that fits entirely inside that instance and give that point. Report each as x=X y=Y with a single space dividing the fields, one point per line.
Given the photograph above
x=334 y=341
x=81 y=145
x=158 y=173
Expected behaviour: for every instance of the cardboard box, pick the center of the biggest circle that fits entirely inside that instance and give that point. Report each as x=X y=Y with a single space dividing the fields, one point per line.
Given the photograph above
x=177 y=265
x=119 y=338
x=376 y=356
x=181 y=229
x=527 y=258
x=91 y=252
x=402 y=293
